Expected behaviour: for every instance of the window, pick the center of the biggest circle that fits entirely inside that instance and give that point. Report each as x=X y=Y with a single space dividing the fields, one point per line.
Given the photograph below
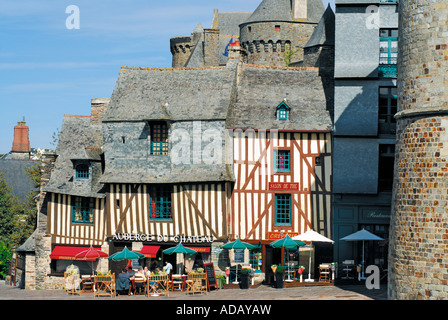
x=160 y=203
x=159 y=139
x=277 y=28
x=283 y=111
x=386 y=167
x=282 y=160
x=388 y=53
x=82 y=171
x=282 y=209
x=387 y=108
x=82 y=210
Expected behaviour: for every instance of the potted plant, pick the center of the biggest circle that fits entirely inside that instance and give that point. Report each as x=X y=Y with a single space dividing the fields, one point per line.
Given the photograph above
x=220 y=279
x=279 y=274
x=244 y=284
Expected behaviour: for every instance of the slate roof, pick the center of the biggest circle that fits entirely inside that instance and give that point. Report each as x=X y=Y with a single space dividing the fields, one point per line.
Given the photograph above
x=171 y=94
x=14 y=172
x=324 y=33
x=228 y=22
x=78 y=140
x=263 y=88
x=272 y=10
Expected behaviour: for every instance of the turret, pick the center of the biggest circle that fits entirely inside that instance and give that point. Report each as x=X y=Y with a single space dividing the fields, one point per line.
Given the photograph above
x=418 y=267
x=278 y=29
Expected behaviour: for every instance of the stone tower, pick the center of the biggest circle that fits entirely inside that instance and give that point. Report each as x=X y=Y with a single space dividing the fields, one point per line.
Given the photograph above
x=279 y=25
x=418 y=249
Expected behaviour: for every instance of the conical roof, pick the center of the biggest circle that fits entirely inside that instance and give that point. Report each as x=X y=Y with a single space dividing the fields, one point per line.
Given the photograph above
x=272 y=10
x=325 y=31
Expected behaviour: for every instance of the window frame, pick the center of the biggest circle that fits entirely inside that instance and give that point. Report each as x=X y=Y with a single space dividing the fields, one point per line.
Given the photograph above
x=83 y=174
x=85 y=207
x=283 y=218
x=163 y=196
x=387 y=119
x=159 y=139
x=287 y=152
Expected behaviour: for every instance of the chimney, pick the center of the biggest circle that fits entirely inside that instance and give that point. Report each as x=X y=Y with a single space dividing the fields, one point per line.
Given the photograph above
x=21 y=145
x=98 y=109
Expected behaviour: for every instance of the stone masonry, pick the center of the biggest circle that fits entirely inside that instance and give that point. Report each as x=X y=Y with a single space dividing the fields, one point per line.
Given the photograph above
x=418 y=251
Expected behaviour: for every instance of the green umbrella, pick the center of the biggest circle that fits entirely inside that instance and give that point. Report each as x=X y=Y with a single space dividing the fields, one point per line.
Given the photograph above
x=238 y=245
x=126 y=254
x=288 y=243
x=179 y=249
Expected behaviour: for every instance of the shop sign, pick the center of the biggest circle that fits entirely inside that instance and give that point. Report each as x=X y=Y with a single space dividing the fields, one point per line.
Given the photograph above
x=280 y=235
x=284 y=186
x=141 y=237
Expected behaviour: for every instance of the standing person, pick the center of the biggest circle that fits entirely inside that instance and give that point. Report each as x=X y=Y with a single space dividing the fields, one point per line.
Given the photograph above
x=168 y=267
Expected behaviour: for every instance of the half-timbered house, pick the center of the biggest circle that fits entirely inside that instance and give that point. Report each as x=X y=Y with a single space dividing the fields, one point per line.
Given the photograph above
x=281 y=157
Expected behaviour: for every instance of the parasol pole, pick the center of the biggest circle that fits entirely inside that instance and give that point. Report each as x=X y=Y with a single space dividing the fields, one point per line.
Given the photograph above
x=309 y=266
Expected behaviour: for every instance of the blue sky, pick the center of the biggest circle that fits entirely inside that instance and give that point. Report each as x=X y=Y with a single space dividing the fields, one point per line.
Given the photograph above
x=47 y=70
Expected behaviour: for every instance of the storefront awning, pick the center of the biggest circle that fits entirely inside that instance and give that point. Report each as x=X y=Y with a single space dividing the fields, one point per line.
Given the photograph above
x=150 y=251
x=200 y=249
x=69 y=253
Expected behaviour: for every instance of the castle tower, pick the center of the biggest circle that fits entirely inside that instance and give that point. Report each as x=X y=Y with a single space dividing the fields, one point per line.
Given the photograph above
x=418 y=249
x=279 y=26
x=21 y=143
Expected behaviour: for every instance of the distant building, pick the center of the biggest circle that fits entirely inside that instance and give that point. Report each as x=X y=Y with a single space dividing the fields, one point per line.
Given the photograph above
x=365 y=94
x=13 y=165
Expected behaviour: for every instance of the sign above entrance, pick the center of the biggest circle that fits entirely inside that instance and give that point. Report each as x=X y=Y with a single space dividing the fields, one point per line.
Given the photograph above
x=284 y=186
x=141 y=237
x=280 y=235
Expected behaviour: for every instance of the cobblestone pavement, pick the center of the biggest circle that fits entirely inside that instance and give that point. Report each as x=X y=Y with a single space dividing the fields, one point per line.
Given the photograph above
x=345 y=292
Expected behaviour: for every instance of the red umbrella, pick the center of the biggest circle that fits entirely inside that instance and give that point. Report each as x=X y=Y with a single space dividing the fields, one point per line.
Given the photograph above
x=91 y=254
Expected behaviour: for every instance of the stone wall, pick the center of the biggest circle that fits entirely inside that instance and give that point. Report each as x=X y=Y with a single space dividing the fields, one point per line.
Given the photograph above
x=418 y=250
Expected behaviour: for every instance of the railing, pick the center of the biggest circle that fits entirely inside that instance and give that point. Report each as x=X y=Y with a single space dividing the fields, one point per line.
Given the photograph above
x=387 y=70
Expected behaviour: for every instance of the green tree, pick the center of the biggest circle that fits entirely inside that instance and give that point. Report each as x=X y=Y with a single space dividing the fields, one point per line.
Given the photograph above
x=288 y=54
x=9 y=209
x=5 y=259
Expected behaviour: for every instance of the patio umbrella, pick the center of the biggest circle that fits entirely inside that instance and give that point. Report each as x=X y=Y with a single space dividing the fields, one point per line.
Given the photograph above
x=311 y=236
x=238 y=245
x=91 y=254
x=179 y=249
x=287 y=243
x=126 y=254
x=362 y=235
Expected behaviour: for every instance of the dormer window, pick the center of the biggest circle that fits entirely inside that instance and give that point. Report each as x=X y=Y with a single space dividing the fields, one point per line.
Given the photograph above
x=283 y=111
x=82 y=171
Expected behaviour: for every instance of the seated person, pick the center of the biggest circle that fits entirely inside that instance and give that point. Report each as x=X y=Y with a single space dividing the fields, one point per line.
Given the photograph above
x=122 y=283
x=140 y=275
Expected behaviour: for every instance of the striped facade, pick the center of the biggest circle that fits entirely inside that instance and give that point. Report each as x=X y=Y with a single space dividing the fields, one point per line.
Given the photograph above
x=197 y=209
x=308 y=182
x=64 y=230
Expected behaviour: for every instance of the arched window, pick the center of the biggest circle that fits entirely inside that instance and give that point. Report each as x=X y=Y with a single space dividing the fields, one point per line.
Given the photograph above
x=82 y=171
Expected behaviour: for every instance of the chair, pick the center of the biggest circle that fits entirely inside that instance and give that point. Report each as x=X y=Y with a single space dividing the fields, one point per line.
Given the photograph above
x=104 y=286
x=86 y=284
x=324 y=273
x=195 y=283
x=176 y=283
x=122 y=286
x=157 y=285
x=140 y=284
x=71 y=283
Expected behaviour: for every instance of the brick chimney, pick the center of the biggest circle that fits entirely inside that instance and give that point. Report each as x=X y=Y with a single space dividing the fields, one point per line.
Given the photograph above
x=21 y=145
